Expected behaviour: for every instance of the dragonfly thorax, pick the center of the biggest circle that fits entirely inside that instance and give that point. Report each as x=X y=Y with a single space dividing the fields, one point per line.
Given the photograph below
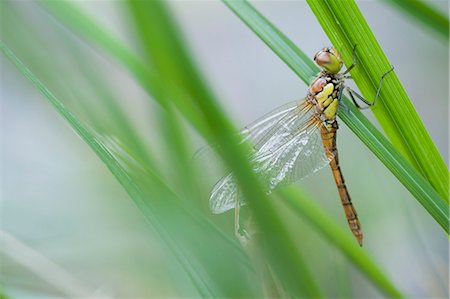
x=324 y=93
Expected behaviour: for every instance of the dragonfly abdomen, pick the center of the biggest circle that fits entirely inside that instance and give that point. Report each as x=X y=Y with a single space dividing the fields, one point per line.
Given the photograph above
x=329 y=142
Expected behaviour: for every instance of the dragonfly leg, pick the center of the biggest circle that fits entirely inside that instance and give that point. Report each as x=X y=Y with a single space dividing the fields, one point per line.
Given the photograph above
x=354 y=94
x=354 y=61
x=350 y=93
x=341 y=91
x=240 y=232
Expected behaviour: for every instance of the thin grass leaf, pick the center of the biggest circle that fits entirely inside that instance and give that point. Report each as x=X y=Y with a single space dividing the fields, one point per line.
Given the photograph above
x=178 y=154
x=48 y=271
x=120 y=122
x=424 y=13
x=309 y=210
x=73 y=17
x=358 y=123
x=157 y=202
x=167 y=54
x=345 y=26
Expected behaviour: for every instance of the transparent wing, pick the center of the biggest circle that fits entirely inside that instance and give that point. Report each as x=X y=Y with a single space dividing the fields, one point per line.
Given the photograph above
x=253 y=132
x=287 y=148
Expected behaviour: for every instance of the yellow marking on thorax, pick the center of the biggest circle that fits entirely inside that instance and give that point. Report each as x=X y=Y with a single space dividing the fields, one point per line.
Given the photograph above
x=323 y=95
x=327 y=102
x=331 y=110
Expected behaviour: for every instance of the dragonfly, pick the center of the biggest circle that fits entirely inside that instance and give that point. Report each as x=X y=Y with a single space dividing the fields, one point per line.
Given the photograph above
x=298 y=139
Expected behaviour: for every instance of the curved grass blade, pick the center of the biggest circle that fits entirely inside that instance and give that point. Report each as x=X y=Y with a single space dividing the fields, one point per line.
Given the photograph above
x=424 y=13
x=163 y=211
x=73 y=17
x=88 y=29
x=113 y=121
x=307 y=209
x=357 y=122
x=345 y=26
x=48 y=271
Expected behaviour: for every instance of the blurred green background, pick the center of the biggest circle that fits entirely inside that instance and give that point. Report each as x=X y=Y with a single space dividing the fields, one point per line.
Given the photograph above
x=89 y=239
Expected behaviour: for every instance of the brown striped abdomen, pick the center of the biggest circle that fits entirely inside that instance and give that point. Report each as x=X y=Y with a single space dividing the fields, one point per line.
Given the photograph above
x=329 y=143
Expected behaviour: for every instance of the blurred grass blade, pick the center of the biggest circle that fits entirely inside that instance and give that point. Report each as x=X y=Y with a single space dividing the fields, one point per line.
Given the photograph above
x=102 y=115
x=79 y=22
x=178 y=154
x=374 y=140
x=47 y=270
x=162 y=211
x=306 y=208
x=424 y=13
x=345 y=26
x=71 y=15
x=166 y=52
x=122 y=125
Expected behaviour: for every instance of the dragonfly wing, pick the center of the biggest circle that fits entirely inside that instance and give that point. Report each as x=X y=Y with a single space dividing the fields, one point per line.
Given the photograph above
x=256 y=131
x=224 y=195
x=252 y=132
x=297 y=158
x=287 y=147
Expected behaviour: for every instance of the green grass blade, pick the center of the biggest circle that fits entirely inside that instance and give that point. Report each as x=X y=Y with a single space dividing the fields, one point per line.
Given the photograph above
x=421 y=12
x=100 y=105
x=375 y=141
x=178 y=154
x=309 y=210
x=87 y=28
x=345 y=26
x=73 y=17
x=157 y=202
x=165 y=49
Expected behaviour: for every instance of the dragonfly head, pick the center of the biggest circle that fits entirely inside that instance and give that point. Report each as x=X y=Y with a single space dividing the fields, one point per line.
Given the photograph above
x=329 y=60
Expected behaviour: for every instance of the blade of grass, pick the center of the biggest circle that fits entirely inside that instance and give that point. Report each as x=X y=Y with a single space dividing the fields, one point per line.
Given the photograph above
x=178 y=153
x=122 y=125
x=47 y=270
x=421 y=12
x=345 y=26
x=357 y=122
x=166 y=52
x=140 y=186
x=72 y=16
x=314 y=214
x=115 y=127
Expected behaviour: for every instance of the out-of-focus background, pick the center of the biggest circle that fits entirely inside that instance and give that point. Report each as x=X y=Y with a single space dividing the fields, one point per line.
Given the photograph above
x=61 y=203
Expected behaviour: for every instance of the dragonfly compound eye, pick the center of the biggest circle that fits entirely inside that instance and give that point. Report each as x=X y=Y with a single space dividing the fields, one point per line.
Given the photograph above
x=329 y=60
